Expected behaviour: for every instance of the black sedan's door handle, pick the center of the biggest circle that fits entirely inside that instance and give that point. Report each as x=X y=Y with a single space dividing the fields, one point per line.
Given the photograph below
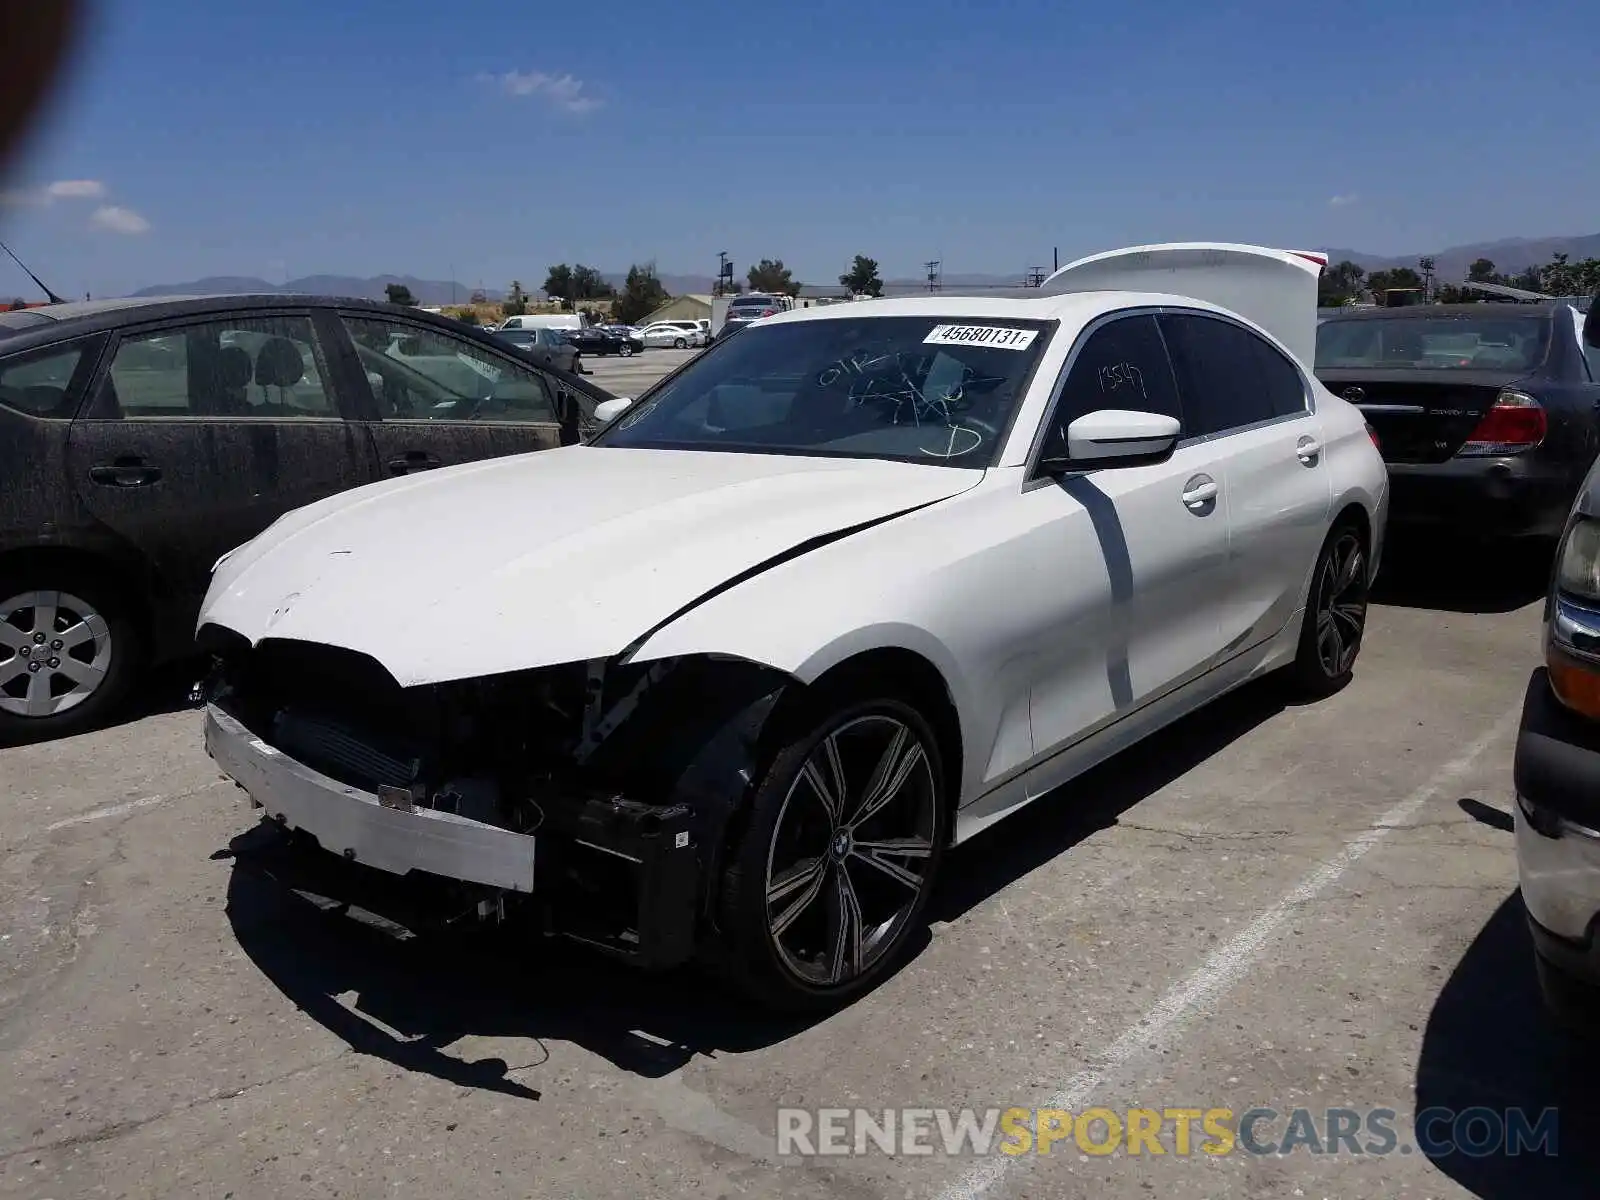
x=414 y=460
x=125 y=473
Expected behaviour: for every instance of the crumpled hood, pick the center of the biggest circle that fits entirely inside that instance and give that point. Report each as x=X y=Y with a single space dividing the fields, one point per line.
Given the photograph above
x=555 y=556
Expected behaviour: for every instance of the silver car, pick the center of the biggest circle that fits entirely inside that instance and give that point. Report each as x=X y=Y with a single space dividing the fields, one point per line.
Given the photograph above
x=1557 y=767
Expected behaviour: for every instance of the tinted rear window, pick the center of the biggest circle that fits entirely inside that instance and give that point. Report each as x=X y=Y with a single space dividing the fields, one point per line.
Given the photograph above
x=1487 y=343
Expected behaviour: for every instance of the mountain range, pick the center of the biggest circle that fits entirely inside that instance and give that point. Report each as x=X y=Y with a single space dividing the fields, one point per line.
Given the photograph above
x=1509 y=256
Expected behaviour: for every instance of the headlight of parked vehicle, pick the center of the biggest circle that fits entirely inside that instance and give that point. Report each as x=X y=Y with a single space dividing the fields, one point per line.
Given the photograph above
x=1572 y=646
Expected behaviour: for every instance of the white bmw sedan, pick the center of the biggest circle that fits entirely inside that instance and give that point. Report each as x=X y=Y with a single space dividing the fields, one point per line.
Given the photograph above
x=729 y=681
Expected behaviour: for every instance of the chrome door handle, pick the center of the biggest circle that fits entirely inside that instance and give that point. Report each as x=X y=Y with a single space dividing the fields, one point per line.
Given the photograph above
x=1199 y=492
x=1308 y=448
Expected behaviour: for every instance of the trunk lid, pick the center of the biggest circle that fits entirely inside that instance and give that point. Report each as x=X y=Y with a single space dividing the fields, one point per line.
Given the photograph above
x=1420 y=416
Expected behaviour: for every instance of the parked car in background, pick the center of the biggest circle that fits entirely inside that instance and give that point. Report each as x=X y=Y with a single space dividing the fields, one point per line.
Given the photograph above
x=560 y=320
x=547 y=346
x=752 y=307
x=1486 y=414
x=696 y=334
x=664 y=333
x=819 y=605
x=604 y=339
x=1557 y=768
x=142 y=439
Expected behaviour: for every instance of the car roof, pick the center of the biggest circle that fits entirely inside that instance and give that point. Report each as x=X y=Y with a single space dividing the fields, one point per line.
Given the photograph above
x=955 y=306
x=83 y=317
x=1420 y=311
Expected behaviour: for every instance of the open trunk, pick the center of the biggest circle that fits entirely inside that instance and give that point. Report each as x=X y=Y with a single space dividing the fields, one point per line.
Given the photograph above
x=1420 y=416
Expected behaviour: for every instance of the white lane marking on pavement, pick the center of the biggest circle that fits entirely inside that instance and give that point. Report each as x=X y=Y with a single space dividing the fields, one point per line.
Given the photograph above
x=127 y=806
x=1225 y=966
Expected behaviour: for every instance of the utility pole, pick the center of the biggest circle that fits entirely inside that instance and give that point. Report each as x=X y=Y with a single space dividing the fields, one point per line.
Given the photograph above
x=724 y=275
x=1055 y=258
x=932 y=266
x=1035 y=276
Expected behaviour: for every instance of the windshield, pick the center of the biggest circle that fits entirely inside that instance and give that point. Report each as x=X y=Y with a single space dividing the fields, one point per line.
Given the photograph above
x=1497 y=343
x=913 y=389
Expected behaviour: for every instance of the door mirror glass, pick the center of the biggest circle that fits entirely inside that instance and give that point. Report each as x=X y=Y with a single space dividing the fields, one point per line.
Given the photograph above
x=610 y=410
x=1116 y=437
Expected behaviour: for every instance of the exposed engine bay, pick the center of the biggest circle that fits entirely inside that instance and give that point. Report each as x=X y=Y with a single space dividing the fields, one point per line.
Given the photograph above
x=609 y=767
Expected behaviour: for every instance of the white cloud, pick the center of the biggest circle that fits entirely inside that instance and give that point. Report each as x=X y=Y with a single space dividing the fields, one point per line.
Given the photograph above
x=61 y=189
x=1342 y=201
x=563 y=91
x=76 y=189
x=118 y=219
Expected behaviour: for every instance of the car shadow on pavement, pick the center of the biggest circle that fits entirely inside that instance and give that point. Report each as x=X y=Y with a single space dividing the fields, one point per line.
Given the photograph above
x=410 y=999
x=1010 y=849
x=1489 y=1046
x=1453 y=574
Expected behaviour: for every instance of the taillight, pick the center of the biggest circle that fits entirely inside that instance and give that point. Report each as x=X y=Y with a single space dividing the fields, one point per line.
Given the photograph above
x=769 y=312
x=1517 y=422
x=1373 y=434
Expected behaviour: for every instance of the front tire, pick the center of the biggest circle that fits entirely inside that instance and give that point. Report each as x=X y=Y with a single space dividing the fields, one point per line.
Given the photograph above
x=69 y=654
x=679 y=344
x=626 y=350
x=1336 y=615
x=830 y=879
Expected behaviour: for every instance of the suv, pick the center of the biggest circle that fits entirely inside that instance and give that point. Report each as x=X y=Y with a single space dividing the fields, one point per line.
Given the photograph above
x=1557 y=768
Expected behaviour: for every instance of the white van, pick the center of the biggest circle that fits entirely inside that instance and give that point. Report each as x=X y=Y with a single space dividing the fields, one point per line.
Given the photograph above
x=573 y=320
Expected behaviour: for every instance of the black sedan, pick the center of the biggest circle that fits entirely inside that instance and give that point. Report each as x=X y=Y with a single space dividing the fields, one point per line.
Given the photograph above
x=142 y=439
x=602 y=339
x=1487 y=414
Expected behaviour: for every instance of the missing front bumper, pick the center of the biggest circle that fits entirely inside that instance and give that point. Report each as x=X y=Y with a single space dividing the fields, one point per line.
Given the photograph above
x=619 y=875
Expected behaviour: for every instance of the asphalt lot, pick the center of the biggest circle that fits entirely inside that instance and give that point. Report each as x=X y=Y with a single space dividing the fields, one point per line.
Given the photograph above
x=630 y=376
x=1266 y=906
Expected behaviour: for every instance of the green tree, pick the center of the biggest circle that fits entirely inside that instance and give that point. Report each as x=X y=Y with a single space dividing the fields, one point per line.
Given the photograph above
x=589 y=284
x=1528 y=278
x=558 y=283
x=862 y=278
x=771 y=276
x=18 y=304
x=642 y=294
x=1399 y=277
x=516 y=301
x=399 y=293
x=1340 y=284
x=1482 y=271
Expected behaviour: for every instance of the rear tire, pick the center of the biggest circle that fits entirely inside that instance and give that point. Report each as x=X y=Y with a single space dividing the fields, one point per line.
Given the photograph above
x=626 y=350
x=832 y=874
x=70 y=652
x=680 y=344
x=1336 y=615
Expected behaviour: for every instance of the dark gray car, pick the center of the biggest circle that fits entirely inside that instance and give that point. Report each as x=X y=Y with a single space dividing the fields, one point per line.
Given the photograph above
x=547 y=346
x=1486 y=414
x=142 y=439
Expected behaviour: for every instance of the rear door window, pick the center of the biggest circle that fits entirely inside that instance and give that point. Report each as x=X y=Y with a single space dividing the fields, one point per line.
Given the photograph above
x=1230 y=377
x=40 y=383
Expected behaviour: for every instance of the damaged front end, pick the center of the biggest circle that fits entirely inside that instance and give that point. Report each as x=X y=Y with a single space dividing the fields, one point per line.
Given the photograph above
x=597 y=797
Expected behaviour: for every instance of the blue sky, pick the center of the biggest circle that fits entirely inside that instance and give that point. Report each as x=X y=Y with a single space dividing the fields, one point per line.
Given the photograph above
x=417 y=136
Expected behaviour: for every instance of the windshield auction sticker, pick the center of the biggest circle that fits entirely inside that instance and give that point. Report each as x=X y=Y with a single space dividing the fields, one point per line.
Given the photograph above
x=981 y=335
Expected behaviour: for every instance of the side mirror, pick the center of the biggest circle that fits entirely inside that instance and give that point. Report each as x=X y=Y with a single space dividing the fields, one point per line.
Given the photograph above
x=610 y=410
x=1591 y=324
x=1115 y=437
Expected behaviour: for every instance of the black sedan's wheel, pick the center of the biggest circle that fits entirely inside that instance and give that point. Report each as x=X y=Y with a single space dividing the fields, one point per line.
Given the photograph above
x=680 y=343
x=626 y=349
x=846 y=832
x=67 y=657
x=1336 y=615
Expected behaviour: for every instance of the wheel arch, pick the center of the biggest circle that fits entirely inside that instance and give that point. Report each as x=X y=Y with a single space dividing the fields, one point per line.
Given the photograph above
x=131 y=581
x=894 y=669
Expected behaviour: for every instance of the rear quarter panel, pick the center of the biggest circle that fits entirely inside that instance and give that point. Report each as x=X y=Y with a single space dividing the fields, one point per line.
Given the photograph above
x=1355 y=468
